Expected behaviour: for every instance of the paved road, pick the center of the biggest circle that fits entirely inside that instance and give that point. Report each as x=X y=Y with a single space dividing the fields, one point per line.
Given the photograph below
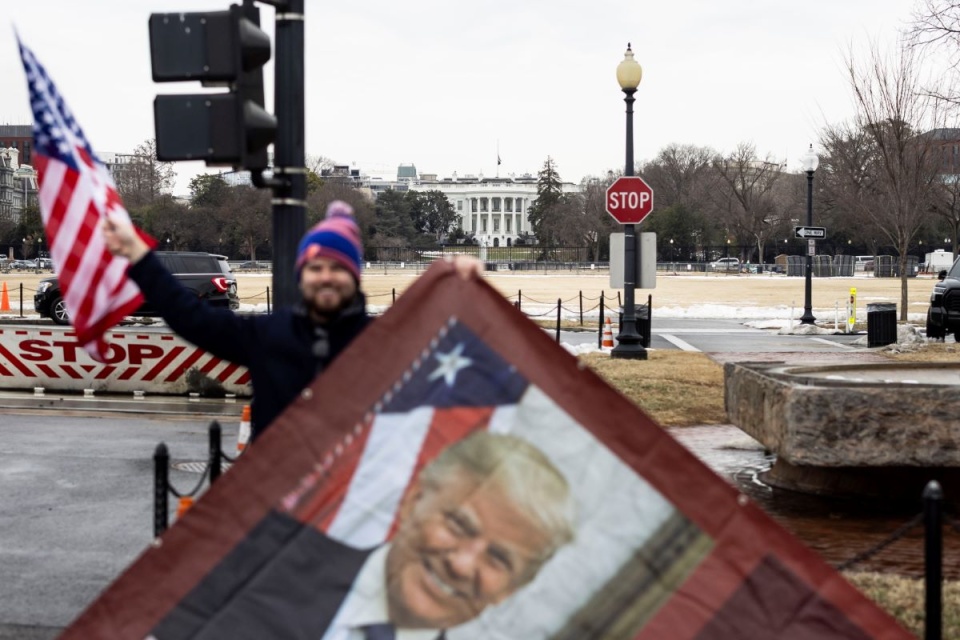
x=76 y=506
x=727 y=335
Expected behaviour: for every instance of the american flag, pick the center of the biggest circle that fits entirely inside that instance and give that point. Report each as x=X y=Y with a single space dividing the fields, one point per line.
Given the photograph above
x=76 y=192
x=460 y=385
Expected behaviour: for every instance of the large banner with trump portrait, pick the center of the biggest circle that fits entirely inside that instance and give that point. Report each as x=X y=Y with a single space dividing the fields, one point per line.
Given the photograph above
x=457 y=474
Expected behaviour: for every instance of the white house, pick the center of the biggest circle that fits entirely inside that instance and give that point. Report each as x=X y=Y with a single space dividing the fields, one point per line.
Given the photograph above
x=495 y=210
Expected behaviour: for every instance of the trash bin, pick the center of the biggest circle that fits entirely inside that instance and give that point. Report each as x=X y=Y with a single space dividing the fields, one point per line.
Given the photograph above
x=881 y=324
x=642 y=313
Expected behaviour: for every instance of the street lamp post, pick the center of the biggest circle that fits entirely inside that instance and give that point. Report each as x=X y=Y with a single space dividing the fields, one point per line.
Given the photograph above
x=629 y=74
x=809 y=161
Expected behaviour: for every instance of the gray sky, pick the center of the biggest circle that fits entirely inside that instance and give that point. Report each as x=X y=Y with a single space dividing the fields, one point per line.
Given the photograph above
x=441 y=84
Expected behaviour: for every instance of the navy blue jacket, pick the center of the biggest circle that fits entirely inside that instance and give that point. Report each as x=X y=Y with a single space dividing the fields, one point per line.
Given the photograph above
x=283 y=351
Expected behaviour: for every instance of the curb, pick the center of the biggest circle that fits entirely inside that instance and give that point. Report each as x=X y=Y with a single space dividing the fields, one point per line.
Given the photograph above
x=156 y=405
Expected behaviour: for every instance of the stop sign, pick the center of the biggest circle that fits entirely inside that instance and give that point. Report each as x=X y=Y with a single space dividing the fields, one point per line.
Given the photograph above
x=629 y=200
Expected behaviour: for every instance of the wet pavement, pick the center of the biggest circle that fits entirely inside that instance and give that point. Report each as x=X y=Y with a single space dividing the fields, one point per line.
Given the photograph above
x=838 y=529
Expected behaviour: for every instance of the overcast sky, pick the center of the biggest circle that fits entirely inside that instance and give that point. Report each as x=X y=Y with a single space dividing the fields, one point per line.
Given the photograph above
x=444 y=84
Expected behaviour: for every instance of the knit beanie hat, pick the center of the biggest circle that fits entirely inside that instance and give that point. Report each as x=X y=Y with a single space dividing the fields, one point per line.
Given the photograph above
x=336 y=237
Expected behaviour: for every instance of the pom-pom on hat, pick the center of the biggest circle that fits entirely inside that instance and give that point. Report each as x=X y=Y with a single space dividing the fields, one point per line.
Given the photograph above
x=336 y=237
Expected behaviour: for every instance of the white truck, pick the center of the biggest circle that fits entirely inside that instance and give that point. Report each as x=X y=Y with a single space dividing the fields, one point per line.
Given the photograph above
x=937 y=261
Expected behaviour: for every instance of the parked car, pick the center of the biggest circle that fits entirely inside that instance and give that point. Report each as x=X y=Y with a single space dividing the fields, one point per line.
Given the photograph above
x=251 y=265
x=206 y=274
x=943 y=316
x=725 y=264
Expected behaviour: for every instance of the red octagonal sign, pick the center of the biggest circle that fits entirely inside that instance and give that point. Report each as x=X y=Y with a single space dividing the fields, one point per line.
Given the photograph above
x=629 y=200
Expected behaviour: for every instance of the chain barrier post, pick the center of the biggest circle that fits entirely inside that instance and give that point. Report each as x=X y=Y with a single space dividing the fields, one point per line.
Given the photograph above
x=394 y=295
x=518 y=298
x=559 y=308
x=161 y=485
x=215 y=451
x=21 y=299
x=268 y=300
x=581 y=307
x=933 y=560
x=600 y=326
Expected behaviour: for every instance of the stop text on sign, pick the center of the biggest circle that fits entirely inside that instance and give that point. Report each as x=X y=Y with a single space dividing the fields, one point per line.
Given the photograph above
x=629 y=199
x=34 y=350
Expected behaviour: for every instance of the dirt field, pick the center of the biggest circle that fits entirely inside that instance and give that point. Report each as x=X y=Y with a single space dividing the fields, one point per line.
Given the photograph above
x=766 y=290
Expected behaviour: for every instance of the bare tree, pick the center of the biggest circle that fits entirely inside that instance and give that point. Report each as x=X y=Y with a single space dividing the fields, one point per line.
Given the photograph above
x=330 y=190
x=141 y=178
x=681 y=175
x=598 y=224
x=248 y=211
x=936 y=27
x=317 y=163
x=895 y=185
x=747 y=197
x=946 y=205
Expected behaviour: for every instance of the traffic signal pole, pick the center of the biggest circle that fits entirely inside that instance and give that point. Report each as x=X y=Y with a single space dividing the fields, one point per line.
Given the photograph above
x=289 y=183
x=232 y=128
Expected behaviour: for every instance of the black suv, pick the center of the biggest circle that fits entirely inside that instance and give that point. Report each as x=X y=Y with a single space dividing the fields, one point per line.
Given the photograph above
x=943 y=316
x=205 y=273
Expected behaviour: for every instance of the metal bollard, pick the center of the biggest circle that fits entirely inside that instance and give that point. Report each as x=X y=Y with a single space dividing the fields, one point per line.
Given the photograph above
x=559 y=307
x=933 y=560
x=214 y=451
x=600 y=326
x=161 y=487
x=268 y=300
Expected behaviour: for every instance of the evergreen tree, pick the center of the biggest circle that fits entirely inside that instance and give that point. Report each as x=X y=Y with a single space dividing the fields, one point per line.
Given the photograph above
x=550 y=199
x=431 y=213
x=392 y=222
x=208 y=190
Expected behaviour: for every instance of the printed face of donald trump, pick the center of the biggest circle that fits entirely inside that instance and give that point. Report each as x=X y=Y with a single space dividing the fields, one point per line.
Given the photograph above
x=460 y=547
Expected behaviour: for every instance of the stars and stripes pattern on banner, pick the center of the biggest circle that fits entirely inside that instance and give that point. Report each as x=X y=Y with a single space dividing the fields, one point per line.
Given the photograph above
x=455 y=388
x=76 y=192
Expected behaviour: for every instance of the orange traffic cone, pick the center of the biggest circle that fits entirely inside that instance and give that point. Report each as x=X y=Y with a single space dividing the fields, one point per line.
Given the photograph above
x=607 y=335
x=185 y=503
x=4 y=298
x=243 y=435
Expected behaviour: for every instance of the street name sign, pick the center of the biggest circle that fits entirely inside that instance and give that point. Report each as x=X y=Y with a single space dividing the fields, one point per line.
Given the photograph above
x=810 y=232
x=629 y=199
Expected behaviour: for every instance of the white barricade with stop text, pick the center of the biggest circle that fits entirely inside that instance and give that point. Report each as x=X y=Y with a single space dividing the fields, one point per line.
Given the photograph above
x=153 y=361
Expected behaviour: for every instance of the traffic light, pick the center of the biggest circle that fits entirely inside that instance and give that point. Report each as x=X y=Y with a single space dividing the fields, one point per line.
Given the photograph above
x=218 y=48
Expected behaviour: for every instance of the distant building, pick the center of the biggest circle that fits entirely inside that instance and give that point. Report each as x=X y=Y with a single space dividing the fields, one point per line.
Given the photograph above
x=237 y=178
x=18 y=184
x=495 y=210
x=949 y=142
x=121 y=164
x=19 y=137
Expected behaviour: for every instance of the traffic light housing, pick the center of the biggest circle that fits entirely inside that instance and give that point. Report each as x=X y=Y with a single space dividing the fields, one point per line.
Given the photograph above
x=217 y=48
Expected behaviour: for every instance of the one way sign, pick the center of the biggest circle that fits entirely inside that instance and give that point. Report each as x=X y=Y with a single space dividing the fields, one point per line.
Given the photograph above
x=810 y=232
